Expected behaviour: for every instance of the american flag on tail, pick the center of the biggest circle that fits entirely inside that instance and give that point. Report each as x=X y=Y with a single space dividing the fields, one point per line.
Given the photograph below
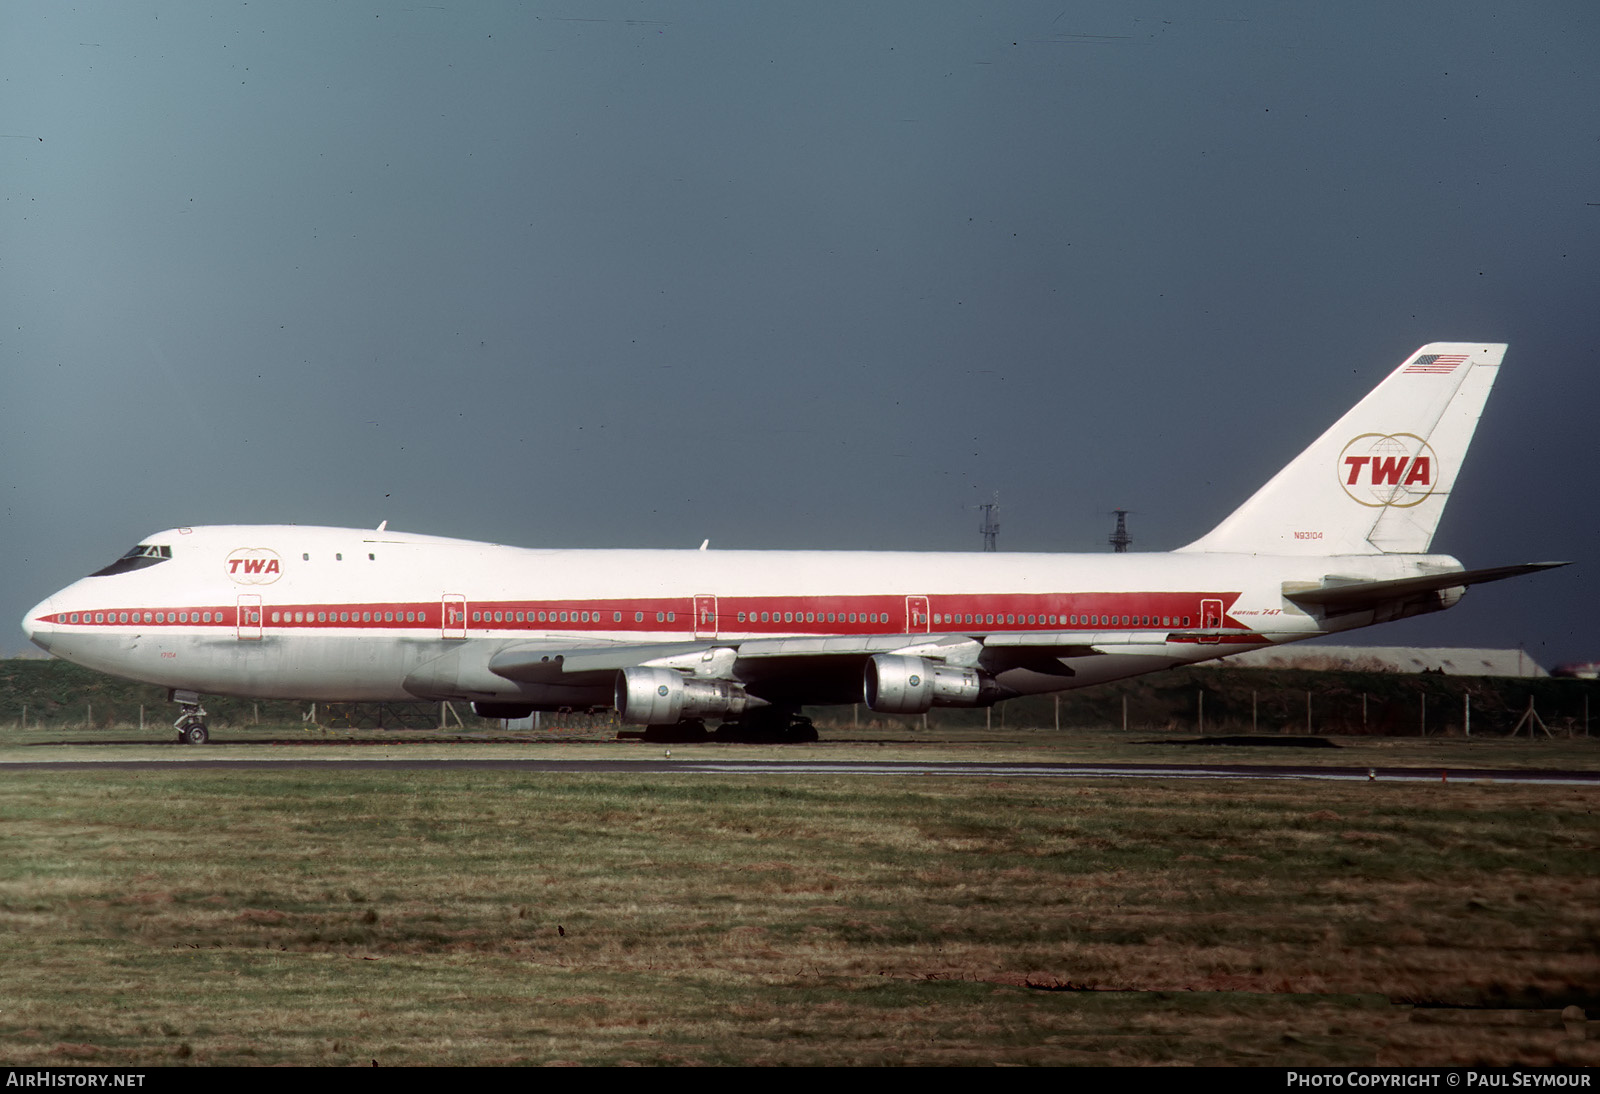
x=1436 y=364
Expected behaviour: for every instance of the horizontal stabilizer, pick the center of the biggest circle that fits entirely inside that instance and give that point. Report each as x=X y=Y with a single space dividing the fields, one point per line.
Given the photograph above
x=1362 y=594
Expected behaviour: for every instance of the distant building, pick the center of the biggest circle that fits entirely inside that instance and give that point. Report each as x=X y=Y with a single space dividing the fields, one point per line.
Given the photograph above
x=1583 y=670
x=1451 y=662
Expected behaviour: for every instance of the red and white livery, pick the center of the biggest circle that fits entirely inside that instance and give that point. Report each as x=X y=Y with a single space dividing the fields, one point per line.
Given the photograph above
x=1338 y=539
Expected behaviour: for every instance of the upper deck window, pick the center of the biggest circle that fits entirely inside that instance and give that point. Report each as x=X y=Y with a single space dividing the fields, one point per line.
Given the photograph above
x=137 y=558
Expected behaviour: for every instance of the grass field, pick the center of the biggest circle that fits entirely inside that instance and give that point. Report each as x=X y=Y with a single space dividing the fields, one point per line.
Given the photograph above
x=894 y=742
x=451 y=917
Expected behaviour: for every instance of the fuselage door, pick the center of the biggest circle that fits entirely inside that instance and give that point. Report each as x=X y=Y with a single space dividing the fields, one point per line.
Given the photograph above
x=1211 y=619
x=247 y=621
x=453 y=616
x=917 y=615
x=705 y=616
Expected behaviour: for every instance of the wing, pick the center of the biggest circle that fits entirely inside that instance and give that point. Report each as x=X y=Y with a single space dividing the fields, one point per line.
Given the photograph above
x=829 y=669
x=822 y=669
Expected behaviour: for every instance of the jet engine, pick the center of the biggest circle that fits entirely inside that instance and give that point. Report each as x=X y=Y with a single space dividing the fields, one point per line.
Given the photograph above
x=660 y=697
x=899 y=684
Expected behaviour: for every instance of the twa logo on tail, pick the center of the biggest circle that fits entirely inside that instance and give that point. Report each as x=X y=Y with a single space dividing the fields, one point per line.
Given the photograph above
x=1380 y=469
x=254 y=566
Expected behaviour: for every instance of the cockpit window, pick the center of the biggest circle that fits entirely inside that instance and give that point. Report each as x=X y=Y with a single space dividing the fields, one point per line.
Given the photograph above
x=137 y=558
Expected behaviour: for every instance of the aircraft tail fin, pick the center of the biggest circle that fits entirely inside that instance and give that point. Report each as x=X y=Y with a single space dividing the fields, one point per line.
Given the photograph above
x=1377 y=481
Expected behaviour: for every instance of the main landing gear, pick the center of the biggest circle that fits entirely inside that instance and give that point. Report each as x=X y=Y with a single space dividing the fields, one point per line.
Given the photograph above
x=766 y=725
x=191 y=723
x=770 y=725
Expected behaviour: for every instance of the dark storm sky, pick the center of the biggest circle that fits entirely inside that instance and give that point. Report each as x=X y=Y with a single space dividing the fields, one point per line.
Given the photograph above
x=787 y=275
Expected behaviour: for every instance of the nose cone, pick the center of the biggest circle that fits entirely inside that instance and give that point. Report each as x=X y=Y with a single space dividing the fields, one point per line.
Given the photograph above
x=37 y=626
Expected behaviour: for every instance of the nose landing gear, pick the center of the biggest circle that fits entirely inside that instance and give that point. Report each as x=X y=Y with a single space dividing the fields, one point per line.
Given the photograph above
x=191 y=723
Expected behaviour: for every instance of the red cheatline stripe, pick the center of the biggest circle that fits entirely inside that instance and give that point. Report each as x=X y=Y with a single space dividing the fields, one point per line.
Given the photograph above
x=784 y=615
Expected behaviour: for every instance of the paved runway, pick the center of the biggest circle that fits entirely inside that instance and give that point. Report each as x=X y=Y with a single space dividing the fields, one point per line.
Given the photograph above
x=938 y=769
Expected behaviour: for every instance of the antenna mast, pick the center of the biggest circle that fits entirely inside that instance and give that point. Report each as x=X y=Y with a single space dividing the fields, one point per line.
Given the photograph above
x=1120 y=539
x=990 y=527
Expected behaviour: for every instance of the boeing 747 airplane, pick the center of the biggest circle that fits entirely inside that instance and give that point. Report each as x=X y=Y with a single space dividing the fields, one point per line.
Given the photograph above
x=1338 y=539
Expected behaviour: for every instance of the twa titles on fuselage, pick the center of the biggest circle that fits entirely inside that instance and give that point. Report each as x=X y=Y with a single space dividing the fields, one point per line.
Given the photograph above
x=1339 y=539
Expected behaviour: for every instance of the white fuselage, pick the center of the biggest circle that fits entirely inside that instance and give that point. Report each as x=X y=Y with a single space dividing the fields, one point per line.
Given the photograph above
x=282 y=611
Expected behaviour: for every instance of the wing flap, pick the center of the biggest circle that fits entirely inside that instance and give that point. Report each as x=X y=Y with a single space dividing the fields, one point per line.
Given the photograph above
x=559 y=664
x=1072 y=643
x=827 y=644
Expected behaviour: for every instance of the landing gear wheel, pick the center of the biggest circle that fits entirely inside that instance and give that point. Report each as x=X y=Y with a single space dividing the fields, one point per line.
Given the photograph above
x=802 y=732
x=686 y=732
x=769 y=726
x=191 y=723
